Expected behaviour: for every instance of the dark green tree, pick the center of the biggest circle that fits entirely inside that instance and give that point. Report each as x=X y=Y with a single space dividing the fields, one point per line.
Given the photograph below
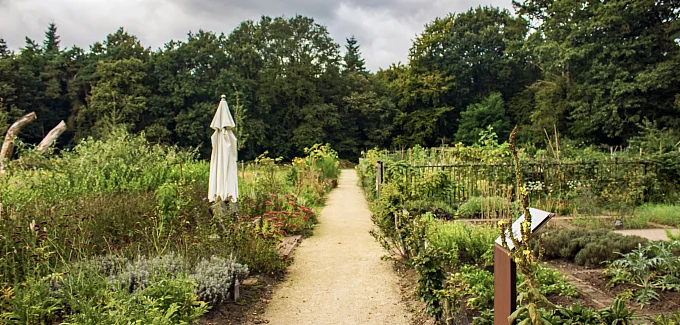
x=611 y=64
x=54 y=78
x=490 y=112
x=353 y=60
x=118 y=98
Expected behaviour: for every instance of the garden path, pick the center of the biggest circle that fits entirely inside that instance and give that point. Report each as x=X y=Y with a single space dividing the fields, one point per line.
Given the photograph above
x=338 y=276
x=651 y=234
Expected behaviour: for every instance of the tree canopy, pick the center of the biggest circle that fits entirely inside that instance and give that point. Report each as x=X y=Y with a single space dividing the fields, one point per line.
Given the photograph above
x=595 y=71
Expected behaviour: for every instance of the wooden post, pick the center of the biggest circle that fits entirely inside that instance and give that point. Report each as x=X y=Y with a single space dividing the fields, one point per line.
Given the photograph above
x=378 y=178
x=505 y=285
x=51 y=137
x=8 y=145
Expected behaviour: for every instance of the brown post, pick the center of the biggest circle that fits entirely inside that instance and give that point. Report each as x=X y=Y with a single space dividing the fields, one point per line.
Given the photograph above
x=51 y=137
x=505 y=285
x=379 y=178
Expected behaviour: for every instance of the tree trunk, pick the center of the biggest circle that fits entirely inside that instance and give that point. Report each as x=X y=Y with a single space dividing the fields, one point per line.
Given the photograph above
x=8 y=145
x=51 y=137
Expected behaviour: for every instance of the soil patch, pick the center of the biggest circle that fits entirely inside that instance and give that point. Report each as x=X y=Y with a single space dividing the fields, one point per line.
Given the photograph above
x=668 y=301
x=407 y=286
x=250 y=307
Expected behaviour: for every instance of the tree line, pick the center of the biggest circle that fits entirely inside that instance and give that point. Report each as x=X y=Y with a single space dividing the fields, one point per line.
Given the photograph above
x=597 y=72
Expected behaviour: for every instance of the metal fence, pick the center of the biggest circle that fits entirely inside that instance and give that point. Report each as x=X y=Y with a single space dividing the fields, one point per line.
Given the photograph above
x=613 y=180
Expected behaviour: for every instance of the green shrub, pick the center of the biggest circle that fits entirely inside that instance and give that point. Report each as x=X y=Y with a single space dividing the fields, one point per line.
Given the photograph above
x=419 y=207
x=82 y=296
x=119 y=162
x=473 y=243
x=552 y=282
x=476 y=284
x=35 y=302
x=431 y=268
x=588 y=247
x=476 y=206
x=165 y=301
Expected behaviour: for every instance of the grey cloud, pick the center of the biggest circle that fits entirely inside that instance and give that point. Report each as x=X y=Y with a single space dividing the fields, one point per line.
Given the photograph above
x=385 y=28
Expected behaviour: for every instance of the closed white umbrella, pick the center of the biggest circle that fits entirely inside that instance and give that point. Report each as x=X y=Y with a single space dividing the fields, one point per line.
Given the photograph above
x=223 y=167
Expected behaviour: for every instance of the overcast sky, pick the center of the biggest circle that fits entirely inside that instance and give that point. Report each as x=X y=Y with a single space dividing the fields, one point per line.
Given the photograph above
x=385 y=28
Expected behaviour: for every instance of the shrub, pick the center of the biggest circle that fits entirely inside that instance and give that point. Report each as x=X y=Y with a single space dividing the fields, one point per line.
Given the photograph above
x=440 y=209
x=478 y=206
x=138 y=274
x=215 y=276
x=588 y=247
x=431 y=269
x=108 y=265
x=552 y=282
x=473 y=243
x=33 y=303
x=82 y=296
x=165 y=301
x=478 y=285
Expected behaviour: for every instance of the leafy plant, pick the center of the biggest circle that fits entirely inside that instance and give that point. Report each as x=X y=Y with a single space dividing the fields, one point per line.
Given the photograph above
x=473 y=244
x=649 y=267
x=673 y=319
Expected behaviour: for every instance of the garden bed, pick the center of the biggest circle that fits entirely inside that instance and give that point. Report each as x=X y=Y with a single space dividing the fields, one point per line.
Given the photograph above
x=669 y=301
x=249 y=308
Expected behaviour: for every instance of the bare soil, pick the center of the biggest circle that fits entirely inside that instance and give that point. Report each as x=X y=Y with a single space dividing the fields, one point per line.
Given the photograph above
x=250 y=307
x=668 y=301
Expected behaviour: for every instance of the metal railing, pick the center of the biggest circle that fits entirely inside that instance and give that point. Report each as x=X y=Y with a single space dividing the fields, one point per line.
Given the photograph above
x=458 y=182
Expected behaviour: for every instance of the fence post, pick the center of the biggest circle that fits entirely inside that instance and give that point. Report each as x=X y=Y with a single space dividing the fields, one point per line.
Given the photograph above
x=379 y=177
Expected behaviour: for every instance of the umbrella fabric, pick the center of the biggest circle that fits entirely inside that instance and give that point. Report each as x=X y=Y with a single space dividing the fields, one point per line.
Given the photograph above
x=223 y=167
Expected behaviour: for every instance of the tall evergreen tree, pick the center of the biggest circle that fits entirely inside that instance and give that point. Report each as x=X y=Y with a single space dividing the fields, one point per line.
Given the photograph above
x=353 y=60
x=54 y=78
x=51 y=42
x=4 y=50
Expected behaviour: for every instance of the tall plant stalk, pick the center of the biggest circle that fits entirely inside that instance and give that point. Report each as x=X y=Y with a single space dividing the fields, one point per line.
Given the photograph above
x=527 y=264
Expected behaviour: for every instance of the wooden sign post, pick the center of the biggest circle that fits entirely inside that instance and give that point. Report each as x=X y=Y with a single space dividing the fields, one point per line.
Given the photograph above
x=505 y=269
x=504 y=284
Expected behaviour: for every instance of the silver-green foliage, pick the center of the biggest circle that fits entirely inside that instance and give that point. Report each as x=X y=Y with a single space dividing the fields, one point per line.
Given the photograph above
x=108 y=265
x=138 y=274
x=215 y=276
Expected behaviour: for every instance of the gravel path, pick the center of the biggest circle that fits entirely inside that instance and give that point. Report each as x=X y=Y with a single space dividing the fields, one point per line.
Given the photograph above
x=651 y=234
x=337 y=276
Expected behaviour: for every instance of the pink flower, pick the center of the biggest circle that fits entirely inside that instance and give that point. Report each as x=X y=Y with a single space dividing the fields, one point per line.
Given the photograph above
x=269 y=203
